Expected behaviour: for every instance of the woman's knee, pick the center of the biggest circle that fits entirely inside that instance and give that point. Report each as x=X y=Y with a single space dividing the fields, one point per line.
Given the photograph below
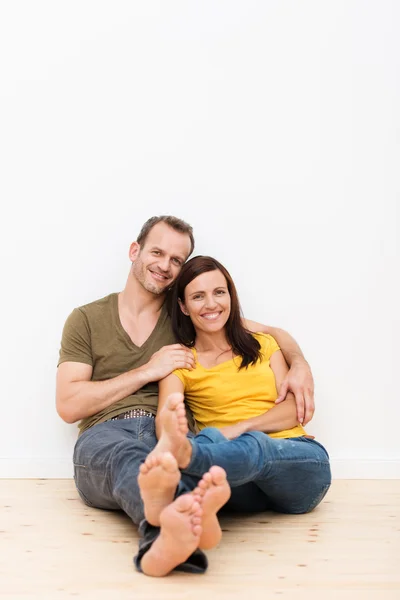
x=318 y=490
x=316 y=500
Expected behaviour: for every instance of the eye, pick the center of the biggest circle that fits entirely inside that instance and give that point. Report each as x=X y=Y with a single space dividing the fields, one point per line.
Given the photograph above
x=176 y=262
x=196 y=297
x=220 y=292
x=156 y=252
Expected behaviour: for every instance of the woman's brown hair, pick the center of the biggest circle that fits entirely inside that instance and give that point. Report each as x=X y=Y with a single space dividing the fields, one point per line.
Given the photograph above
x=241 y=340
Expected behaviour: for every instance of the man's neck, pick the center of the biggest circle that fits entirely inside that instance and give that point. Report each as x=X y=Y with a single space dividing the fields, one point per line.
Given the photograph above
x=136 y=300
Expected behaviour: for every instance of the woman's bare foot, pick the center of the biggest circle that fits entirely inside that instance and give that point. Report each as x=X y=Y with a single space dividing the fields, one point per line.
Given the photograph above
x=213 y=492
x=174 y=429
x=158 y=477
x=179 y=536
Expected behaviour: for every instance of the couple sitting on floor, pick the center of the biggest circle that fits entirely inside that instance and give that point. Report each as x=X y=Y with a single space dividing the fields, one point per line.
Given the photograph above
x=231 y=392
x=125 y=359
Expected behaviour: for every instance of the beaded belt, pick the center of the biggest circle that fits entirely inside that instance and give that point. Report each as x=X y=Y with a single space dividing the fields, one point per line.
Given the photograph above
x=135 y=413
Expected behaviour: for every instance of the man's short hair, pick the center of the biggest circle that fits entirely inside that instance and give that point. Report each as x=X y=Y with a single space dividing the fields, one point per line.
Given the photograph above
x=173 y=222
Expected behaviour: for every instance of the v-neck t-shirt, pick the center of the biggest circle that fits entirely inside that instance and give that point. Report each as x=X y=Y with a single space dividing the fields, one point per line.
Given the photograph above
x=224 y=395
x=93 y=334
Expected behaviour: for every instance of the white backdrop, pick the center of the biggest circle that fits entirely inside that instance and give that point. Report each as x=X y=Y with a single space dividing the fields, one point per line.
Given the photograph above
x=271 y=126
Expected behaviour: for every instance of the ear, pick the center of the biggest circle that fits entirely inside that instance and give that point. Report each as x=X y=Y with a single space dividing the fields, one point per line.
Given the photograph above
x=134 y=251
x=183 y=307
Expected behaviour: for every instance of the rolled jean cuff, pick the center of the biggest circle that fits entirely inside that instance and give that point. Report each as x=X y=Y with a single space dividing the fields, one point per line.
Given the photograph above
x=196 y=563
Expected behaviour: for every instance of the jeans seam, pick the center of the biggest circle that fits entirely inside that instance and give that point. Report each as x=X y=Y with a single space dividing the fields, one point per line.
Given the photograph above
x=142 y=427
x=81 y=494
x=302 y=460
x=318 y=498
x=83 y=497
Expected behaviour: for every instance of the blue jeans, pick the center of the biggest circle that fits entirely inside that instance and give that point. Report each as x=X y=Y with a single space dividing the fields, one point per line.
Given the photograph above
x=107 y=458
x=285 y=475
x=290 y=475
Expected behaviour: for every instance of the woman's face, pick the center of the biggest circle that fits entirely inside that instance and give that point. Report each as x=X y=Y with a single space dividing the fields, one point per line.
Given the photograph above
x=207 y=301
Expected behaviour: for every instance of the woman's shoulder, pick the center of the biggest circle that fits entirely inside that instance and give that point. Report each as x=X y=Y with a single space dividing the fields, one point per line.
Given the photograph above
x=263 y=338
x=267 y=343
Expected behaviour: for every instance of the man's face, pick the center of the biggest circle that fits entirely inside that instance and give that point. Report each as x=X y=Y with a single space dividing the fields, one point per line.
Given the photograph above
x=157 y=263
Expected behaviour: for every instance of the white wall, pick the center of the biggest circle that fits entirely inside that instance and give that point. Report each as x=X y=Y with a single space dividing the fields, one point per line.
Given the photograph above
x=272 y=127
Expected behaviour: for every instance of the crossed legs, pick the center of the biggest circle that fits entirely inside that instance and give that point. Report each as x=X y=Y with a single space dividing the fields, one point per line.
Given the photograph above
x=190 y=521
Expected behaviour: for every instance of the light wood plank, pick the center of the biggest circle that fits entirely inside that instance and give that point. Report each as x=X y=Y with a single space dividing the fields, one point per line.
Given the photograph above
x=53 y=546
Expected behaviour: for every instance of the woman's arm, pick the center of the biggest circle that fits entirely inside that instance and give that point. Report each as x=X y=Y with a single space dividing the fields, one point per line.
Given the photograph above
x=299 y=379
x=280 y=417
x=166 y=386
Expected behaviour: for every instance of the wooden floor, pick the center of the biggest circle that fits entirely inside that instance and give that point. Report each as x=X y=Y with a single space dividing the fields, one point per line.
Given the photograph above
x=52 y=546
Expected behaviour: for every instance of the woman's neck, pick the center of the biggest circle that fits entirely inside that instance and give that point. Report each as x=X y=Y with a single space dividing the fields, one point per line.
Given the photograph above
x=211 y=342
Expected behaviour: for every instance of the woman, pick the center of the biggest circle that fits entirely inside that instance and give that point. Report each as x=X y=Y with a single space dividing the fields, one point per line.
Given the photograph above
x=232 y=391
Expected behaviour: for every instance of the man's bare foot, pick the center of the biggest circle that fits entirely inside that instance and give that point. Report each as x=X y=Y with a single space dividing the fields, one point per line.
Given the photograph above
x=179 y=536
x=158 y=477
x=174 y=429
x=213 y=492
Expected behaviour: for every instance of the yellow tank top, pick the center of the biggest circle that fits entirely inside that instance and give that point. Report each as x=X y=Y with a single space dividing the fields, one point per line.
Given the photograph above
x=223 y=395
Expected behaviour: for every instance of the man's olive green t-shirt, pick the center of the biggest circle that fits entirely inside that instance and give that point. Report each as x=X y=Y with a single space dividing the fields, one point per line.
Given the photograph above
x=93 y=335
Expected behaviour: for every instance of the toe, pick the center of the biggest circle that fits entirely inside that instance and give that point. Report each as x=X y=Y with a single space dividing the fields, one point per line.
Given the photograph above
x=207 y=477
x=168 y=462
x=184 y=503
x=197 y=530
x=217 y=475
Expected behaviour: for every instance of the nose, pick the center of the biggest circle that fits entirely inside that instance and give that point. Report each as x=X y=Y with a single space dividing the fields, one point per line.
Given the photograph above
x=163 y=263
x=210 y=301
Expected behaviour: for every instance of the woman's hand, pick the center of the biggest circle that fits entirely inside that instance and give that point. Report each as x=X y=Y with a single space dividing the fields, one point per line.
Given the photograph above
x=299 y=380
x=233 y=431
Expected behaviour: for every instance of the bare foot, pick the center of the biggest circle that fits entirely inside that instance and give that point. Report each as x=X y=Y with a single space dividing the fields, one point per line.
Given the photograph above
x=158 y=477
x=179 y=536
x=213 y=492
x=173 y=431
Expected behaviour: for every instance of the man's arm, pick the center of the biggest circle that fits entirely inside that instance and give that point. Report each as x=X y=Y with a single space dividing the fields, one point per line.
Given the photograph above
x=290 y=348
x=299 y=378
x=77 y=397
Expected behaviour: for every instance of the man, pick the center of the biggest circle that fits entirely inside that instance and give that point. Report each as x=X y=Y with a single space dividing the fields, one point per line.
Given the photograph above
x=113 y=353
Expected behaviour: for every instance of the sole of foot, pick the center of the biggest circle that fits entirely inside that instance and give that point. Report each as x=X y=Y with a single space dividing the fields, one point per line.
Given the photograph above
x=179 y=536
x=213 y=492
x=174 y=429
x=158 y=478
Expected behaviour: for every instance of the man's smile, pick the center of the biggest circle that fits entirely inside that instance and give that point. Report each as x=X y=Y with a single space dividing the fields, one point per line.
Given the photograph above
x=159 y=276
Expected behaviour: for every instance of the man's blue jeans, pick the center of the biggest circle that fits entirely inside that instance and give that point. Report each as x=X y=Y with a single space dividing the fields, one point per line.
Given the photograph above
x=286 y=475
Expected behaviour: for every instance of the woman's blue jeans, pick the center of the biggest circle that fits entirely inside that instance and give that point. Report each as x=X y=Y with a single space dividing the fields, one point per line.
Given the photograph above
x=286 y=475
x=290 y=475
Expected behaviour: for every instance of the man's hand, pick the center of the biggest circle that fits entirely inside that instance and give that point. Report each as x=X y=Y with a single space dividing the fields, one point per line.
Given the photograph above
x=166 y=360
x=300 y=381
